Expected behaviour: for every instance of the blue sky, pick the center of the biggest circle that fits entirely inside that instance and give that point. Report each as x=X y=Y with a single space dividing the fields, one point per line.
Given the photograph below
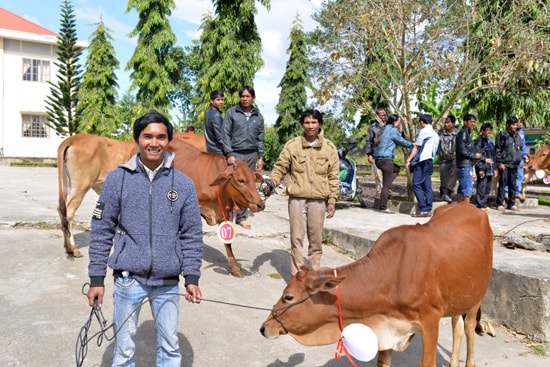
x=274 y=27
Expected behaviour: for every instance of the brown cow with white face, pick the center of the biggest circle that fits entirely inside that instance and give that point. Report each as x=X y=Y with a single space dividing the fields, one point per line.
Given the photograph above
x=412 y=277
x=538 y=161
x=84 y=161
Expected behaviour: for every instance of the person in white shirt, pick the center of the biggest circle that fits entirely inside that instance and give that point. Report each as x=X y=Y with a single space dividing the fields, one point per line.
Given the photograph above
x=420 y=162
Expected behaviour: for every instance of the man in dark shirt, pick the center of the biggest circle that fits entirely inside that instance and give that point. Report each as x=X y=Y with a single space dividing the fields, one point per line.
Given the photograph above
x=509 y=153
x=213 y=123
x=465 y=158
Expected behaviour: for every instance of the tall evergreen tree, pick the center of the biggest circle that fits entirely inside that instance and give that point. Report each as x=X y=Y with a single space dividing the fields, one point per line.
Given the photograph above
x=293 y=96
x=97 y=94
x=152 y=62
x=229 y=50
x=63 y=99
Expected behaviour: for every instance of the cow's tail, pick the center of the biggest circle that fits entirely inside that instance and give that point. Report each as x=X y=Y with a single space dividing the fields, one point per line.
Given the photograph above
x=63 y=181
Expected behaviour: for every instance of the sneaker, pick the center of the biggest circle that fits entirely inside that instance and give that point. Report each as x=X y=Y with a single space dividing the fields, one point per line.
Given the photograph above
x=422 y=215
x=486 y=210
x=500 y=208
x=447 y=198
x=514 y=208
x=387 y=211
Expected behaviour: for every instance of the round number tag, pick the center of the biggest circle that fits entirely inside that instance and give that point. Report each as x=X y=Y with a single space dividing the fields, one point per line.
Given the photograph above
x=226 y=232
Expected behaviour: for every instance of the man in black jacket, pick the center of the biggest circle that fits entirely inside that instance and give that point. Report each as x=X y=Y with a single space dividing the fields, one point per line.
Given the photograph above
x=465 y=158
x=213 y=133
x=509 y=153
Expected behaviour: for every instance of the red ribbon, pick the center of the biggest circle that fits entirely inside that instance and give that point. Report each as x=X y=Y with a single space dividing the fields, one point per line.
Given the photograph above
x=340 y=347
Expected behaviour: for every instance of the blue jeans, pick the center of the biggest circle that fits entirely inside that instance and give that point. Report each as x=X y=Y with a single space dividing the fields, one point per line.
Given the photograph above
x=465 y=184
x=422 y=184
x=128 y=297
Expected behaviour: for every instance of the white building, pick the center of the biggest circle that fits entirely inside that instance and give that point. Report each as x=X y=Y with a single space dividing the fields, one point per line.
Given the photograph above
x=27 y=56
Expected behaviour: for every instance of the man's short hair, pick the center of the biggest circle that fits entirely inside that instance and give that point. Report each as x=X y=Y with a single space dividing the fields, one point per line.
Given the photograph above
x=249 y=89
x=215 y=94
x=426 y=118
x=149 y=118
x=511 y=120
x=452 y=118
x=468 y=117
x=485 y=126
x=311 y=113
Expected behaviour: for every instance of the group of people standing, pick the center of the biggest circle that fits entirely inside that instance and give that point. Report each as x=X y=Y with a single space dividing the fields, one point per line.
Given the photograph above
x=459 y=157
x=147 y=226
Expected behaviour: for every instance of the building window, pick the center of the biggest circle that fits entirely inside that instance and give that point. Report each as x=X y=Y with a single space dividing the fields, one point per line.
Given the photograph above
x=35 y=70
x=34 y=126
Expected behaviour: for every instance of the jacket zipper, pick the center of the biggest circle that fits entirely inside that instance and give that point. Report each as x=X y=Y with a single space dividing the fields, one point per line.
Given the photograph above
x=151 y=225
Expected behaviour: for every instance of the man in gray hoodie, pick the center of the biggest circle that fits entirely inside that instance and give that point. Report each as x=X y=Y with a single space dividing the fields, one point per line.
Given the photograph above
x=147 y=227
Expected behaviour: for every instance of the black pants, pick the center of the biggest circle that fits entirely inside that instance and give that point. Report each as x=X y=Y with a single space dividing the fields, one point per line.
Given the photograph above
x=389 y=172
x=483 y=189
x=507 y=177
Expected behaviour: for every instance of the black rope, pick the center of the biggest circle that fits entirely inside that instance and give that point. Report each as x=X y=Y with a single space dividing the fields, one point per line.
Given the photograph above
x=82 y=340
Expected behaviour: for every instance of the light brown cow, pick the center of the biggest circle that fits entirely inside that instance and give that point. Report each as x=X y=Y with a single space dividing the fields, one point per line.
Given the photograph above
x=412 y=277
x=538 y=161
x=220 y=188
x=83 y=161
x=195 y=140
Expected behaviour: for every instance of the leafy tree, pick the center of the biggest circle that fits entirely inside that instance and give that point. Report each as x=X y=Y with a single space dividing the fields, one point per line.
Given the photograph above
x=152 y=63
x=62 y=115
x=126 y=115
x=399 y=49
x=184 y=79
x=97 y=93
x=293 y=96
x=272 y=148
x=228 y=52
x=527 y=92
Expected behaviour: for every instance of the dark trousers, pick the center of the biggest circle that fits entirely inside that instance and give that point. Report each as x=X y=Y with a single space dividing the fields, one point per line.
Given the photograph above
x=389 y=172
x=250 y=159
x=483 y=189
x=507 y=177
x=448 y=175
x=422 y=184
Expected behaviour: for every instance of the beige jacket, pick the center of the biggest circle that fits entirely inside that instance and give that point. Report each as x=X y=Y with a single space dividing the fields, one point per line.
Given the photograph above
x=313 y=171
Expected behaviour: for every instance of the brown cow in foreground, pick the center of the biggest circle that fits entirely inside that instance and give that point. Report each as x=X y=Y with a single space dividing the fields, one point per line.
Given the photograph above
x=412 y=277
x=85 y=160
x=538 y=161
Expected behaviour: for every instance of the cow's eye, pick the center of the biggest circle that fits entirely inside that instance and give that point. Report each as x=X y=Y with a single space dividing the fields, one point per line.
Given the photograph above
x=288 y=297
x=241 y=181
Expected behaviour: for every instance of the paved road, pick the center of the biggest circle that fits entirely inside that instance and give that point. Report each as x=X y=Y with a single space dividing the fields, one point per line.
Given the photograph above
x=42 y=309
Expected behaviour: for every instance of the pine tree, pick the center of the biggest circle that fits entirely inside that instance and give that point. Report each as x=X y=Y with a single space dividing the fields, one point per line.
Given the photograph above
x=229 y=51
x=293 y=96
x=97 y=94
x=152 y=63
x=61 y=103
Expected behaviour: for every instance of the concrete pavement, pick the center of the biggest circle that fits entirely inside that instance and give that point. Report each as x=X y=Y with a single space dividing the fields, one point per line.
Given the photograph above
x=42 y=308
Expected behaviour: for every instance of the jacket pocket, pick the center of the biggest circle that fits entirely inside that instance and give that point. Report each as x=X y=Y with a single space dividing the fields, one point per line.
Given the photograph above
x=321 y=165
x=299 y=162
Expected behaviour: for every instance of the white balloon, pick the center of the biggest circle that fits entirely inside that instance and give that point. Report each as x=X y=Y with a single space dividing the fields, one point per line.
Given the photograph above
x=540 y=174
x=360 y=341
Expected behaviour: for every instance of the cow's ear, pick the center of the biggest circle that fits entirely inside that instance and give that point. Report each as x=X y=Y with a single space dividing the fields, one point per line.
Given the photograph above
x=323 y=284
x=221 y=179
x=259 y=178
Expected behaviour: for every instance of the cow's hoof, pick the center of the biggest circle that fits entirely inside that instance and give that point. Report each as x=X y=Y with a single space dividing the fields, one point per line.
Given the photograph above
x=77 y=253
x=237 y=273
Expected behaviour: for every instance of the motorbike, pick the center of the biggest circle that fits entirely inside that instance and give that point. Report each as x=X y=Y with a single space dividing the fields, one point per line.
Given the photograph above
x=348 y=185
